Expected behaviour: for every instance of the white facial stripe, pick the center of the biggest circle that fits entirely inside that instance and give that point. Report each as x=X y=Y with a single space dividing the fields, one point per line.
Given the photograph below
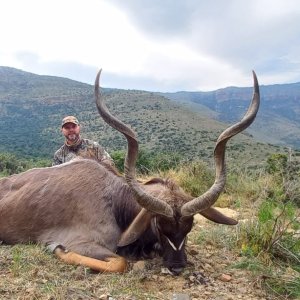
x=182 y=243
x=173 y=246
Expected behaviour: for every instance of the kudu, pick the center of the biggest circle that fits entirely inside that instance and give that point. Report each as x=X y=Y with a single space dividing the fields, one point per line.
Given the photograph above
x=88 y=214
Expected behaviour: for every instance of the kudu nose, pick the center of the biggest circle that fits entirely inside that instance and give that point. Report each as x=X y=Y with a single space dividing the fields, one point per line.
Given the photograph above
x=176 y=270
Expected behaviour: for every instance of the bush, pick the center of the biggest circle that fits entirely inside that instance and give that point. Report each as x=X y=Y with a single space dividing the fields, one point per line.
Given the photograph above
x=148 y=161
x=286 y=172
x=273 y=235
x=277 y=163
x=194 y=177
x=10 y=164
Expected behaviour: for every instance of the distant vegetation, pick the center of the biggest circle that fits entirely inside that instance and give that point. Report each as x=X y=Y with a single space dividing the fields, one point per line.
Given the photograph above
x=278 y=120
x=10 y=164
x=32 y=106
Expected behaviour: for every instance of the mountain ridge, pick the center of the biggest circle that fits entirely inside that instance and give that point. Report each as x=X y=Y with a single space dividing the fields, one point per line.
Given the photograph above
x=278 y=120
x=32 y=106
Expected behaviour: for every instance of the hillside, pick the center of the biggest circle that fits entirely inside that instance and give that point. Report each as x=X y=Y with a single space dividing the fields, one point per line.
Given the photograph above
x=278 y=120
x=32 y=106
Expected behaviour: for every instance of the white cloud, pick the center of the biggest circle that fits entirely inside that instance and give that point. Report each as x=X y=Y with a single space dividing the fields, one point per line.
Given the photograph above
x=155 y=45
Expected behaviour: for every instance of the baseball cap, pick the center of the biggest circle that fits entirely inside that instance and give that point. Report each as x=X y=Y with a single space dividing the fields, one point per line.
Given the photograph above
x=69 y=119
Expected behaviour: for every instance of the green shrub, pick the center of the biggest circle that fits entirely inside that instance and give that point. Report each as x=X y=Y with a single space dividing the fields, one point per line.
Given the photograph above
x=273 y=233
x=148 y=161
x=10 y=164
x=194 y=177
x=285 y=172
x=272 y=236
x=276 y=163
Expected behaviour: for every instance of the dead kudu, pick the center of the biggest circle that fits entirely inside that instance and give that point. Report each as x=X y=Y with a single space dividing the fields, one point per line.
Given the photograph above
x=88 y=214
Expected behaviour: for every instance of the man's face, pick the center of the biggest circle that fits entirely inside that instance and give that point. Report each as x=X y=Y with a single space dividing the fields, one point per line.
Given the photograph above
x=71 y=132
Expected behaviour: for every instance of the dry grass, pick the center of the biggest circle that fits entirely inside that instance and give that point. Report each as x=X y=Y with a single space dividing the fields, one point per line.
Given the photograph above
x=28 y=272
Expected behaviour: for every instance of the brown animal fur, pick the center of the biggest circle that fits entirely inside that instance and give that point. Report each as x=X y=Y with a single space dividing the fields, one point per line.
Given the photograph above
x=74 y=204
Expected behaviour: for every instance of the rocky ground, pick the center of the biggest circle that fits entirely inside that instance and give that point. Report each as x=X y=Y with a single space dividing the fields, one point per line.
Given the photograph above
x=211 y=279
x=210 y=275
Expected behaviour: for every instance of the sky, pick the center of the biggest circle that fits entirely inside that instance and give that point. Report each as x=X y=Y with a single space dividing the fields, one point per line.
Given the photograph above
x=154 y=45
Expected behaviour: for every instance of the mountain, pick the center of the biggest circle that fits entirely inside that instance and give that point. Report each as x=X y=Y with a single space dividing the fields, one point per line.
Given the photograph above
x=32 y=106
x=278 y=120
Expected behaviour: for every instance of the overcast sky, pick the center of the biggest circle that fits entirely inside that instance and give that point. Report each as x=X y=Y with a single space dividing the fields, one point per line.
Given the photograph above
x=155 y=45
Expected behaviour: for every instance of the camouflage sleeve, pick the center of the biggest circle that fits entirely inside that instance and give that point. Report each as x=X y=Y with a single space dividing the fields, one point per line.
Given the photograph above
x=56 y=160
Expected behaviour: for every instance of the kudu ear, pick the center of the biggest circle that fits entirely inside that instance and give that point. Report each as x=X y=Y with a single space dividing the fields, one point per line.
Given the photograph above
x=136 y=228
x=214 y=215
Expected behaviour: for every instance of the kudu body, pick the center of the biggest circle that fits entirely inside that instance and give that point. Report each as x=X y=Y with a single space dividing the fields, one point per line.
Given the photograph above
x=88 y=214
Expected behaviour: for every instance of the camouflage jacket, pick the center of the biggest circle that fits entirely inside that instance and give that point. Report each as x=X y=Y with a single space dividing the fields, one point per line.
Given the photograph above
x=66 y=153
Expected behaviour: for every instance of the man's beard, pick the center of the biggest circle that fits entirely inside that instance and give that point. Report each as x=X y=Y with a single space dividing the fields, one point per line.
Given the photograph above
x=72 y=137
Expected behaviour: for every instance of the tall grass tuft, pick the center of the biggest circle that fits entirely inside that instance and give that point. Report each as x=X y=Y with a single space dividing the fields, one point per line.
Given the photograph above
x=195 y=178
x=272 y=235
x=267 y=238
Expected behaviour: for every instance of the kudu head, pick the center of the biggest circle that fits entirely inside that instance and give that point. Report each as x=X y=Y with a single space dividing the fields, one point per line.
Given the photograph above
x=172 y=223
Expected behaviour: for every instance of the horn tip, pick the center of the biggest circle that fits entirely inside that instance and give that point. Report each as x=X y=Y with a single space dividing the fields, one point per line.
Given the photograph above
x=98 y=77
x=255 y=81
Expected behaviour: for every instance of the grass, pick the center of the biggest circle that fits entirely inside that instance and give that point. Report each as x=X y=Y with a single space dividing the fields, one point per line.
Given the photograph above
x=267 y=240
x=29 y=272
x=264 y=247
x=278 y=276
